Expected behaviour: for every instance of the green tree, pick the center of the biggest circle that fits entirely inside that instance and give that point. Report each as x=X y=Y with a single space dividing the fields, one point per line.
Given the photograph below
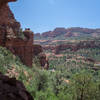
x=84 y=86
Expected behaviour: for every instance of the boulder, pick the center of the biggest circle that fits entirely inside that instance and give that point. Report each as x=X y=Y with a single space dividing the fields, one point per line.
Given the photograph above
x=12 y=89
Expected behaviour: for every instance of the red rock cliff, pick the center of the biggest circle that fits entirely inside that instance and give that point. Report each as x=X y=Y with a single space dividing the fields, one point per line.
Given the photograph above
x=10 y=35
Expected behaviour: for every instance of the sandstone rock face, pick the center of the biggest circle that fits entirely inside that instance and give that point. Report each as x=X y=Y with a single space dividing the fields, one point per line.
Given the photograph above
x=43 y=61
x=17 y=41
x=56 y=32
x=47 y=34
x=11 y=89
x=38 y=51
x=9 y=35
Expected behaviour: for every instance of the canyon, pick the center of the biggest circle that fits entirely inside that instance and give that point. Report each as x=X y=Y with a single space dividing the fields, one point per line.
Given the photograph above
x=74 y=39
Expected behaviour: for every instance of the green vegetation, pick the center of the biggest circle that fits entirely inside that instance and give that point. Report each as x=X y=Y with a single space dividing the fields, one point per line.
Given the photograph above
x=67 y=79
x=83 y=58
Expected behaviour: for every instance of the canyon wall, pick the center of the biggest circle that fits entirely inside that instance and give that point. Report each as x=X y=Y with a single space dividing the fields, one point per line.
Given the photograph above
x=12 y=37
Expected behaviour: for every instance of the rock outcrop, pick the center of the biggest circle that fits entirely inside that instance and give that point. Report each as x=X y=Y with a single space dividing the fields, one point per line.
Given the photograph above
x=12 y=37
x=12 y=89
x=38 y=51
x=54 y=33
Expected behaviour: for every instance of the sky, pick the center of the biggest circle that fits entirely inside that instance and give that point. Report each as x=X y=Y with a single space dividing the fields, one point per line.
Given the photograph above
x=44 y=15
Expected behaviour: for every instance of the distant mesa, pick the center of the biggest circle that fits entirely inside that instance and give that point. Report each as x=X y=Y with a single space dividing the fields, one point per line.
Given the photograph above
x=69 y=32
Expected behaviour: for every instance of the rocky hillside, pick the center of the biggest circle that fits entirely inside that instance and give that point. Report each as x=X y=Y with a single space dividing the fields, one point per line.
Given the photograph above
x=15 y=76
x=69 y=32
x=63 y=34
x=12 y=69
x=61 y=41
